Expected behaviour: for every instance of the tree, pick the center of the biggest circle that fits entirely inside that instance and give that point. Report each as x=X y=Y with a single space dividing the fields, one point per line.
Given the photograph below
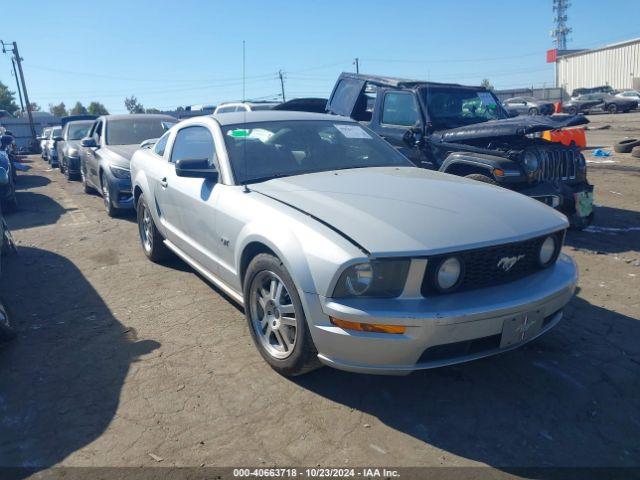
x=486 y=84
x=96 y=108
x=152 y=110
x=59 y=110
x=34 y=107
x=7 y=99
x=133 y=105
x=78 y=109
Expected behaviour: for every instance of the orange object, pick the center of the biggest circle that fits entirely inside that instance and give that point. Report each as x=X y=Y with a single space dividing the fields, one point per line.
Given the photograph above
x=567 y=136
x=368 y=327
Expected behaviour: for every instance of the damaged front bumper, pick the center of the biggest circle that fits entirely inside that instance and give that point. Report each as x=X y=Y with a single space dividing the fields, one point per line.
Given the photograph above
x=574 y=200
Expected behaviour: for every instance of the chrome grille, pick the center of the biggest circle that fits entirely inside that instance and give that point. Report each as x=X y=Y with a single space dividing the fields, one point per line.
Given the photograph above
x=558 y=164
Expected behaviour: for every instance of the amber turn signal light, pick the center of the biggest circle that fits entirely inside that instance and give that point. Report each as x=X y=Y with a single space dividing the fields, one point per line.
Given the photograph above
x=368 y=327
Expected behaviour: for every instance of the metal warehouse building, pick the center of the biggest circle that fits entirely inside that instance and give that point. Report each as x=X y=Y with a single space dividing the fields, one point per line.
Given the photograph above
x=617 y=65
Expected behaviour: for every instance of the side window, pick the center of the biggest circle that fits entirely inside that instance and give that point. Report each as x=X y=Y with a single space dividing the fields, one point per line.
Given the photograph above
x=97 y=132
x=400 y=108
x=161 y=145
x=193 y=143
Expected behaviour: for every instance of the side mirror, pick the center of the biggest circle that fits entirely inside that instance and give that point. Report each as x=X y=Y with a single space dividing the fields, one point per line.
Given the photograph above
x=148 y=143
x=88 y=142
x=412 y=137
x=4 y=177
x=196 y=168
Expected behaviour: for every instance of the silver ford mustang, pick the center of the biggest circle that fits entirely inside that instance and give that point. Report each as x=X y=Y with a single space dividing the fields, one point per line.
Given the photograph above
x=341 y=251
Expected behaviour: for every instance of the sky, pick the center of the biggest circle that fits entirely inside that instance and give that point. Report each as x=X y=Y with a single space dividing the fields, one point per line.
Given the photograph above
x=178 y=53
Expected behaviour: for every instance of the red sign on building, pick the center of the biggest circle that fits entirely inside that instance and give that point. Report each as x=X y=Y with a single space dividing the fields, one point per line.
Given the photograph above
x=552 y=55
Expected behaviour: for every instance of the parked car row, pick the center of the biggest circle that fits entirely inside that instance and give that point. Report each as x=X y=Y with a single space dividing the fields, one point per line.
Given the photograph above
x=341 y=249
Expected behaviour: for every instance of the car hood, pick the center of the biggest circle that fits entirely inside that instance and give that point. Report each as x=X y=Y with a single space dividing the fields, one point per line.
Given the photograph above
x=508 y=127
x=120 y=155
x=394 y=211
x=73 y=144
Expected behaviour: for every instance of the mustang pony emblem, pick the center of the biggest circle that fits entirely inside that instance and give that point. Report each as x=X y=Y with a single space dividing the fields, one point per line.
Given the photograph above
x=507 y=263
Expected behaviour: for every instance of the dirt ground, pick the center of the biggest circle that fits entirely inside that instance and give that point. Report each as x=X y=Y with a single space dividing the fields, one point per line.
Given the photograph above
x=121 y=362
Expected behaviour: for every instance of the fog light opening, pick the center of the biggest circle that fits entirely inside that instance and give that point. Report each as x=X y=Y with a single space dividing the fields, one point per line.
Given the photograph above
x=368 y=327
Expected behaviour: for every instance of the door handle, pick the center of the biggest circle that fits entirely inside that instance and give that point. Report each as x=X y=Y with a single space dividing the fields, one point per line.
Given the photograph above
x=164 y=183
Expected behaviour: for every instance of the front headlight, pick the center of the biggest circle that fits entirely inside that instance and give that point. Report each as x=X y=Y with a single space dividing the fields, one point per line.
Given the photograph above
x=72 y=152
x=377 y=278
x=119 y=172
x=530 y=160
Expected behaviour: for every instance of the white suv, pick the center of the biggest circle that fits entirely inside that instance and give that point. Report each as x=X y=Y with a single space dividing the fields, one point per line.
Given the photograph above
x=244 y=107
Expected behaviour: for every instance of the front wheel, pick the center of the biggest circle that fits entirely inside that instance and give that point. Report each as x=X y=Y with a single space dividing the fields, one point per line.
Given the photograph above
x=572 y=111
x=613 y=108
x=533 y=111
x=106 y=196
x=83 y=178
x=276 y=319
x=151 y=239
x=479 y=177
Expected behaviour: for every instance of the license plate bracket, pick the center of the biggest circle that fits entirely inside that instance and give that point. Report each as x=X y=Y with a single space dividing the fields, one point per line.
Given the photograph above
x=520 y=328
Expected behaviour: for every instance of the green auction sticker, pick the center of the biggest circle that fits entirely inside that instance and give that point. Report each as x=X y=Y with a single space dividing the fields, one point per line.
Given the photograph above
x=240 y=133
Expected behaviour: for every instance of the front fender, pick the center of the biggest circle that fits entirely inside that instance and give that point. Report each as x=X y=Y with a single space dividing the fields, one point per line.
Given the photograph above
x=458 y=162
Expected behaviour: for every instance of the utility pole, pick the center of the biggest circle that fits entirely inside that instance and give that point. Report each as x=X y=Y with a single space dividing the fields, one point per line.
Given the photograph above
x=281 y=75
x=15 y=74
x=243 y=71
x=356 y=62
x=561 y=30
x=18 y=60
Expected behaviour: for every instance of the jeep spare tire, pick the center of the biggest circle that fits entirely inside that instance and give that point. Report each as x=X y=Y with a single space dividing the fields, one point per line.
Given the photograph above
x=626 y=145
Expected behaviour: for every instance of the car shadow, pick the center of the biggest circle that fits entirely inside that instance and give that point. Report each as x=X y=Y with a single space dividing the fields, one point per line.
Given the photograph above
x=614 y=230
x=61 y=377
x=26 y=182
x=567 y=399
x=43 y=210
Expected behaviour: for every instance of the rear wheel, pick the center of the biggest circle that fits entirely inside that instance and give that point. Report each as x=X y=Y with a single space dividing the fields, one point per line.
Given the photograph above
x=533 y=111
x=276 y=319
x=151 y=239
x=613 y=108
x=479 y=177
x=572 y=111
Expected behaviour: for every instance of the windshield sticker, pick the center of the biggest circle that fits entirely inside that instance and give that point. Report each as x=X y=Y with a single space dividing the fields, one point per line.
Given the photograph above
x=352 y=131
x=239 y=133
x=486 y=98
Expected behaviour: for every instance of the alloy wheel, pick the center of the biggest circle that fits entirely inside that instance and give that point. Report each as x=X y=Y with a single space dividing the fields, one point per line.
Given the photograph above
x=146 y=229
x=273 y=315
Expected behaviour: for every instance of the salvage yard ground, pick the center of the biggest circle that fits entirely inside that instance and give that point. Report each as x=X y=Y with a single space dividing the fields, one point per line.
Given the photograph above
x=121 y=362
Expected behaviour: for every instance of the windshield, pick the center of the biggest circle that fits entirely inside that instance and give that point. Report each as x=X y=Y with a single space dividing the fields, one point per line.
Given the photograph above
x=56 y=132
x=259 y=151
x=78 y=131
x=131 y=131
x=451 y=107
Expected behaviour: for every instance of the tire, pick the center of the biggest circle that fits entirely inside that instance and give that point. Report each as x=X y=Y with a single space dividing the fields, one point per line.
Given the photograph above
x=150 y=238
x=572 y=111
x=85 y=185
x=533 y=111
x=635 y=152
x=626 y=145
x=479 y=177
x=286 y=346
x=6 y=331
x=61 y=166
x=612 y=108
x=106 y=196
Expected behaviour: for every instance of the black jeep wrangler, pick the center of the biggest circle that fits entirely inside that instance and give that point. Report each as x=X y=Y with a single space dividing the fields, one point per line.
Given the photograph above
x=465 y=131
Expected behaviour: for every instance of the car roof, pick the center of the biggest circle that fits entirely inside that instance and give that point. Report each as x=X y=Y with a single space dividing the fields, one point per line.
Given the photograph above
x=234 y=118
x=79 y=122
x=400 y=82
x=125 y=116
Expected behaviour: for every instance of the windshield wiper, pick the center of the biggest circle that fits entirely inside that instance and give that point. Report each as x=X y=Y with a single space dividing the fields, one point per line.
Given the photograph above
x=267 y=178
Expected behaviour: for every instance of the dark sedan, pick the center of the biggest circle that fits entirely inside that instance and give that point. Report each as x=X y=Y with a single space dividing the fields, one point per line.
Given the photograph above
x=69 y=147
x=599 y=102
x=106 y=155
x=528 y=106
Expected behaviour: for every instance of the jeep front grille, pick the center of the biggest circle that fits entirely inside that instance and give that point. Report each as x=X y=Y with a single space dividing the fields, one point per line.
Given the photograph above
x=558 y=164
